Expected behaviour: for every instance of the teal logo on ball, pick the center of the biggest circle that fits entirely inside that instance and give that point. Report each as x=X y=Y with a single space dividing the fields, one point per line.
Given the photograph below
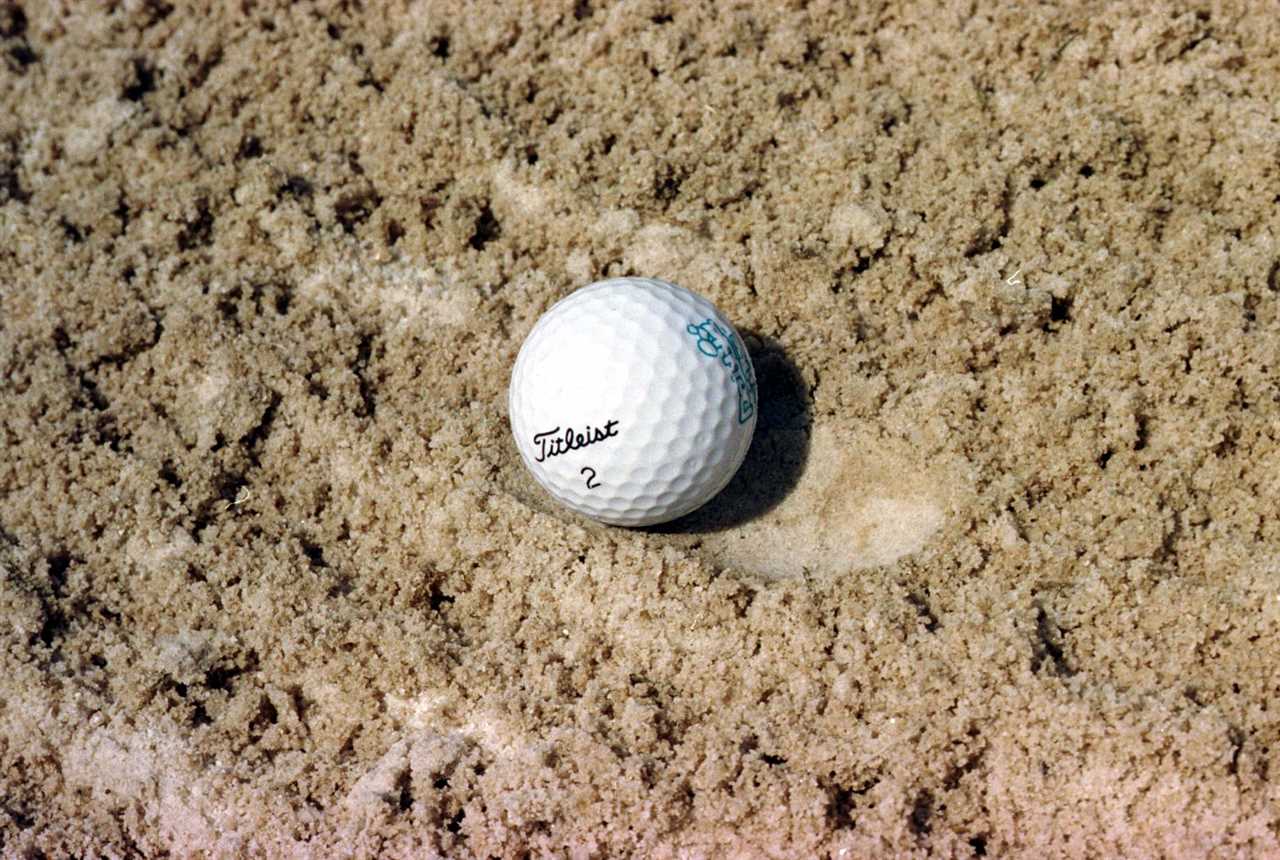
x=716 y=342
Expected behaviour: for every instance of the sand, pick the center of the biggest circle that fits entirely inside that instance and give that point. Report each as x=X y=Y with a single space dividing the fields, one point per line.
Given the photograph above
x=1001 y=576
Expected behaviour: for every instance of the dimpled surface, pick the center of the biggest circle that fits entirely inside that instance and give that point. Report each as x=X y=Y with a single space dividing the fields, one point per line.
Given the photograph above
x=633 y=401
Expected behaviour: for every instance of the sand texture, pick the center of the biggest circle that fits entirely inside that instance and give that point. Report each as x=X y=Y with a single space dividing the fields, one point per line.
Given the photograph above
x=1000 y=577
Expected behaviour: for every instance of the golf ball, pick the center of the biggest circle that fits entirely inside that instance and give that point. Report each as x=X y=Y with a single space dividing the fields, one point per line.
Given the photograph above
x=633 y=401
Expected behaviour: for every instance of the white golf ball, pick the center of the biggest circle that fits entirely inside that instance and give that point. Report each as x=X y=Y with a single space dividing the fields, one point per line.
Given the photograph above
x=633 y=401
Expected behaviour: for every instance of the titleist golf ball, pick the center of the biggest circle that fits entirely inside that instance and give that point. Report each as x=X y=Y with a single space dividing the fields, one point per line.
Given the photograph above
x=633 y=401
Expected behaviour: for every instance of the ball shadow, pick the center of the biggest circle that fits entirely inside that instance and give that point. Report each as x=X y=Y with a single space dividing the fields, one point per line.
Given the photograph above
x=779 y=448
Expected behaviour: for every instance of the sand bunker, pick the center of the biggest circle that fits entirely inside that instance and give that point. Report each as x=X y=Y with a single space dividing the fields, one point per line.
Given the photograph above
x=998 y=579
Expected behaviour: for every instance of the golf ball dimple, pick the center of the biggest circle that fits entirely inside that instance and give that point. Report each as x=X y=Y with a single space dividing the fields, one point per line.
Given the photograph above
x=633 y=401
